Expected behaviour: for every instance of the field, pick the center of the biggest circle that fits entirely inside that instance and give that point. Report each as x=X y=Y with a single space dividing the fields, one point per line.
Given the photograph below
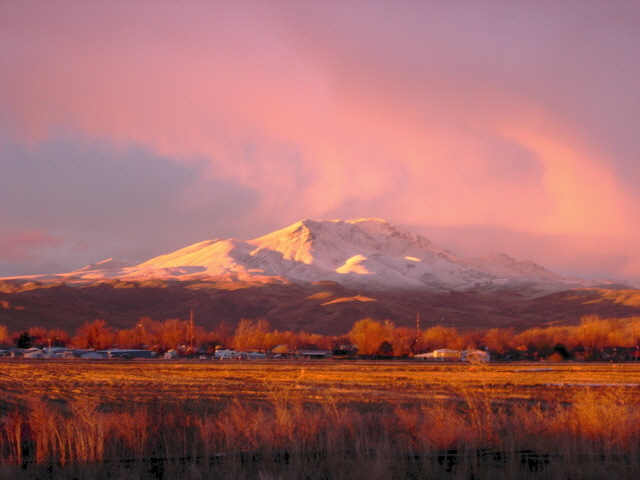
x=324 y=419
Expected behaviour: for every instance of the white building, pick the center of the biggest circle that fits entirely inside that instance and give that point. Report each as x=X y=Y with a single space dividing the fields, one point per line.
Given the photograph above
x=441 y=355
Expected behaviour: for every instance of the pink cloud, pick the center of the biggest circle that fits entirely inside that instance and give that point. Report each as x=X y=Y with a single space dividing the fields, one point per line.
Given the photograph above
x=25 y=245
x=421 y=113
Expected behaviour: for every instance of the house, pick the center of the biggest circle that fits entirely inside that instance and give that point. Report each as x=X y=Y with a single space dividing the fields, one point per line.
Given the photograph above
x=314 y=354
x=441 y=355
x=92 y=356
x=230 y=355
x=129 y=354
x=58 y=352
x=33 y=353
x=346 y=349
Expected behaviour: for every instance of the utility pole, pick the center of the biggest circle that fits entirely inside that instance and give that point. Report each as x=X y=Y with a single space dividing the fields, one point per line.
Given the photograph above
x=418 y=333
x=140 y=334
x=191 y=332
x=636 y=344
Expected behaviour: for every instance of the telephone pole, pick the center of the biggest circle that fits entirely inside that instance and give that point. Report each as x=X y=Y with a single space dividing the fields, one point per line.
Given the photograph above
x=416 y=347
x=191 y=332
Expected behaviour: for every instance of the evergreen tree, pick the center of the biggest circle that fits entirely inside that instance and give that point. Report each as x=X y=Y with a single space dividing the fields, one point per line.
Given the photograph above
x=24 y=340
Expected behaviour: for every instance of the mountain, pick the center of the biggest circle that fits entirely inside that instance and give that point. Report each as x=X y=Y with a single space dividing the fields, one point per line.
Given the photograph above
x=367 y=254
x=322 y=307
x=316 y=276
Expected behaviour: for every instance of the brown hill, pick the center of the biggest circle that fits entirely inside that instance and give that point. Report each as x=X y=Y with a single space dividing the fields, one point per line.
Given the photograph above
x=324 y=307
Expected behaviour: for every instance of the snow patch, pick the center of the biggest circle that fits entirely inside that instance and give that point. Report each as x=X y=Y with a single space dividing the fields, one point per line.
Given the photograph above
x=357 y=298
x=354 y=265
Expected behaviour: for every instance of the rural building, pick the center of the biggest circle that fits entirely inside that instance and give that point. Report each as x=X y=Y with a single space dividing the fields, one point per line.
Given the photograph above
x=441 y=355
x=92 y=356
x=58 y=352
x=314 y=354
x=229 y=355
x=128 y=354
x=33 y=353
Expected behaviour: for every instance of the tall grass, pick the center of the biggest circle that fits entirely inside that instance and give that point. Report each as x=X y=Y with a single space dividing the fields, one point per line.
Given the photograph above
x=472 y=435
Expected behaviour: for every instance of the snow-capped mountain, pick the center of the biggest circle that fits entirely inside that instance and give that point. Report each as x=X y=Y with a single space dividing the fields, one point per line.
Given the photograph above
x=363 y=253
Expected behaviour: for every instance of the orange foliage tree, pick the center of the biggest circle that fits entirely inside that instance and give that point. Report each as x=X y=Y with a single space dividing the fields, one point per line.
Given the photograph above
x=4 y=335
x=251 y=335
x=173 y=333
x=500 y=340
x=96 y=335
x=442 y=337
x=404 y=341
x=369 y=335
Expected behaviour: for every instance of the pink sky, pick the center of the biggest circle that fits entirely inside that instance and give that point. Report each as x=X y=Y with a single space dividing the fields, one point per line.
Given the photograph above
x=131 y=129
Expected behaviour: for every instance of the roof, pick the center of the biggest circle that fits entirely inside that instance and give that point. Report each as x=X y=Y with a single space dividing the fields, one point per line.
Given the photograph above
x=314 y=352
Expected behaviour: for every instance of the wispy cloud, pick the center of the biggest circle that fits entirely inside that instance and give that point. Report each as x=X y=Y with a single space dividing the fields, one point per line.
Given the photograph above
x=24 y=245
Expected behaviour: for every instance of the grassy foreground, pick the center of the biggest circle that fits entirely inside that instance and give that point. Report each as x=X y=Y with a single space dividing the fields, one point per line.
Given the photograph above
x=317 y=420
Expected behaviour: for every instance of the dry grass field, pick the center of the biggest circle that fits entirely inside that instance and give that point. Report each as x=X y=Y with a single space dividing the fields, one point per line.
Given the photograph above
x=318 y=420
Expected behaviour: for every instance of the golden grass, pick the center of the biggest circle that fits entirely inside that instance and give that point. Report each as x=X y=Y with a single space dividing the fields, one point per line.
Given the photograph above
x=117 y=383
x=318 y=420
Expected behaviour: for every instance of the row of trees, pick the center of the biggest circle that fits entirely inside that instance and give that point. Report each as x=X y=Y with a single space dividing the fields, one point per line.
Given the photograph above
x=166 y=335
x=372 y=337
x=591 y=338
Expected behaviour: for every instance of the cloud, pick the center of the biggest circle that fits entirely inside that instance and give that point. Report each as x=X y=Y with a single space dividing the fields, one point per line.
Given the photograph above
x=95 y=202
x=517 y=116
x=24 y=245
x=586 y=256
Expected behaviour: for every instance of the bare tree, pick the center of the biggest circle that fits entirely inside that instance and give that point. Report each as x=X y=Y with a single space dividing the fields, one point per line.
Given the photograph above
x=251 y=335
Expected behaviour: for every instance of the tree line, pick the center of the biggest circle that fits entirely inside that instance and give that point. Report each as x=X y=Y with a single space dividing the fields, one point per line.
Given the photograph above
x=594 y=338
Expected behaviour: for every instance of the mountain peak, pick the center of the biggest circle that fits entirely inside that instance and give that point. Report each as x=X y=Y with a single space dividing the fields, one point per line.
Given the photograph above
x=368 y=220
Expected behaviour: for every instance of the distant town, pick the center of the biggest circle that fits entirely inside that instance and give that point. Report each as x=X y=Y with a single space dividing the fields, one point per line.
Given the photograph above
x=595 y=339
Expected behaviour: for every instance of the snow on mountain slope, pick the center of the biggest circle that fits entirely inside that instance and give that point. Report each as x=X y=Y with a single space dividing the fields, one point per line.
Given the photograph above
x=501 y=265
x=208 y=256
x=107 y=264
x=366 y=253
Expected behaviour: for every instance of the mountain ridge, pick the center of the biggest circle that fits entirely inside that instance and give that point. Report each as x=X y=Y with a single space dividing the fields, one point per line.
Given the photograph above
x=364 y=253
x=322 y=307
x=315 y=276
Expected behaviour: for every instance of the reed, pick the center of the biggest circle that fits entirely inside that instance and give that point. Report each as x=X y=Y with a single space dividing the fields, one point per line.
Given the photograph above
x=278 y=421
x=286 y=439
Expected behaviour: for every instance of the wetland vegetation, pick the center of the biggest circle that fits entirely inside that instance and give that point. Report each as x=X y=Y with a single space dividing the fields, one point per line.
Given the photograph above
x=317 y=420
